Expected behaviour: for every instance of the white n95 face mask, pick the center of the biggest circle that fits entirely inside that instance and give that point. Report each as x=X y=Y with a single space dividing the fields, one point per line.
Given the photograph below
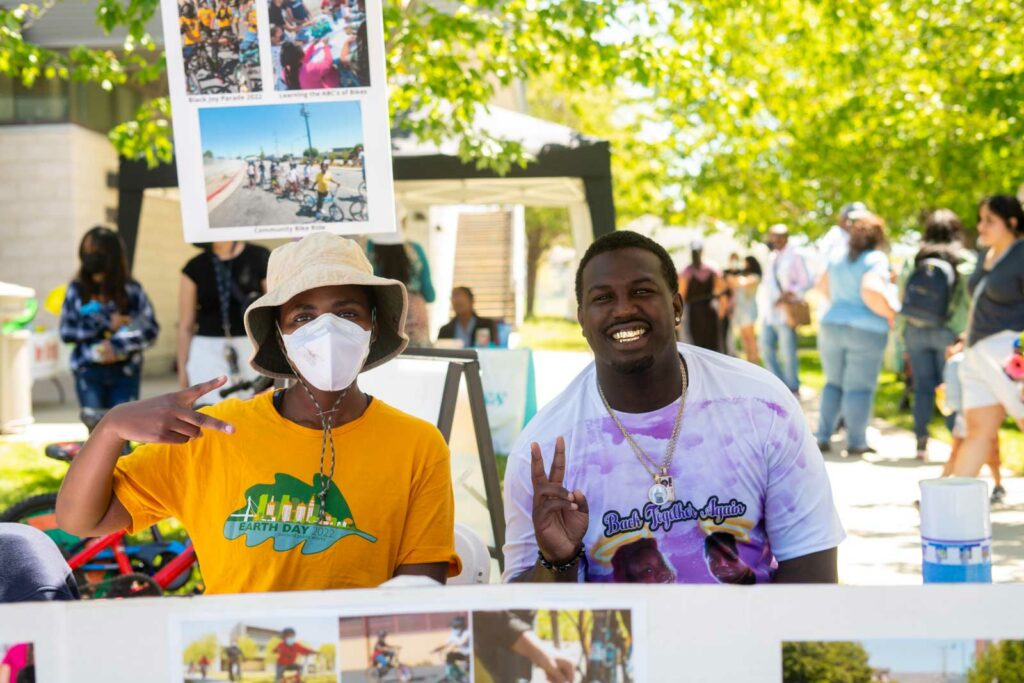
x=328 y=352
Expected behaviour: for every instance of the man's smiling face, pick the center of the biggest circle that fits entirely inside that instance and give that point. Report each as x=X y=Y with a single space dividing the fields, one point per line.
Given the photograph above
x=627 y=310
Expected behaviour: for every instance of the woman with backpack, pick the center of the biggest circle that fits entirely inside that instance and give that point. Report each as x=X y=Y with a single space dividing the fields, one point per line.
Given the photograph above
x=996 y=318
x=934 y=310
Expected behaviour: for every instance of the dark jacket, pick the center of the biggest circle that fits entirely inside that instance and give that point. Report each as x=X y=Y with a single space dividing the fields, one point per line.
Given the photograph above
x=448 y=331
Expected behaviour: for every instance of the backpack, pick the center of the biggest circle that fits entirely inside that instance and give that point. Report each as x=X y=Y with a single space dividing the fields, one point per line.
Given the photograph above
x=928 y=293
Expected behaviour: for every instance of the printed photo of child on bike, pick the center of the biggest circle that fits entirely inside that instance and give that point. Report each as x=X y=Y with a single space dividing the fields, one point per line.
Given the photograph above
x=406 y=647
x=260 y=650
x=284 y=164
x=553 y=646
x=321 y=47
x=220 y=46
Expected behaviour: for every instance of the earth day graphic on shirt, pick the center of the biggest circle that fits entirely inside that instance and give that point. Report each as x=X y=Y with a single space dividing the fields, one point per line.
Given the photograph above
x=289 y=512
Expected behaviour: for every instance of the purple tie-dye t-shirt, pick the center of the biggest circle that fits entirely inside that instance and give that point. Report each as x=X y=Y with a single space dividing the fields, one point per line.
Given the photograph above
x=750 y=483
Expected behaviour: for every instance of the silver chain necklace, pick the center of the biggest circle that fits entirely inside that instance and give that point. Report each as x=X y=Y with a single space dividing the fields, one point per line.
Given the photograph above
x=663 y=490
x=327 y=424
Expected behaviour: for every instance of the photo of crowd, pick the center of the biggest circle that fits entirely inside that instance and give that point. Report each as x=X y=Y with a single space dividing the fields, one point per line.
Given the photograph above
x=220 y=46
x=320 y=48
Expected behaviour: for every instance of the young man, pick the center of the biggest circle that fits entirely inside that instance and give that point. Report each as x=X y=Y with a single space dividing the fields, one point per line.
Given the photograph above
x=787 y=280
x=467 y=326
x=720 y=443
x=314 y=487
x=457 y=647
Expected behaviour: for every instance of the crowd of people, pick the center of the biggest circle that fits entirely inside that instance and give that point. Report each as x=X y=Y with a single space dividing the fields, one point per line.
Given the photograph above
x=325 y=49
x=594 y=490
x=954 y=311
x=218 y=37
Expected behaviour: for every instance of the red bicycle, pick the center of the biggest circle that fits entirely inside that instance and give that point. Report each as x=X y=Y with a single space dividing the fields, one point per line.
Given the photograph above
x=108 y=566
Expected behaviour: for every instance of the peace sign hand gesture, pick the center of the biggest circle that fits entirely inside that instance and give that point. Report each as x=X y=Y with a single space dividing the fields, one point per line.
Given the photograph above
x=560 y=517
x=165 y=419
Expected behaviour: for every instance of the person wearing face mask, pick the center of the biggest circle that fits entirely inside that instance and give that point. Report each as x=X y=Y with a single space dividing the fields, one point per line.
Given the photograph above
x=288 y=652
x=108 y=318
x=317 y=486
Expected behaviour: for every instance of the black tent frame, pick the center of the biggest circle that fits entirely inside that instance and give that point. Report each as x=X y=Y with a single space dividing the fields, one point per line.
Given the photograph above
x=589 y=161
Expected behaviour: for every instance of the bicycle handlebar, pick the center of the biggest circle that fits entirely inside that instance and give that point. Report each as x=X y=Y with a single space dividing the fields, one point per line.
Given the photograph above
x=257 y=385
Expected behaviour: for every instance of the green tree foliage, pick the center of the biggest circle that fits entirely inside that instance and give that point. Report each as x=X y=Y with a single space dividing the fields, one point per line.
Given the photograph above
x=751 y=112
x=249 y=648
x=1001 y=661
x=825 y=662
x=311 y=152
x=328 y=652
x=206 y=646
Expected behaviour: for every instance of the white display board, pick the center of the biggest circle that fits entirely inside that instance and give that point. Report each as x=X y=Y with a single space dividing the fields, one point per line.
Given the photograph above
x=679 y=633
x=262 y=95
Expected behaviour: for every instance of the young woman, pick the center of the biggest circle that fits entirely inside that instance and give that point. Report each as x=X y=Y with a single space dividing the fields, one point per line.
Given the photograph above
x=109 y=319
x=744 y=283
x=854 y=333
x=216 y=288
x=996 y=319
x=313 y=487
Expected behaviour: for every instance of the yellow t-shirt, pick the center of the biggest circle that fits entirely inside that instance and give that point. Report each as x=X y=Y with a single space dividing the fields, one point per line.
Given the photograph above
x=323 y=179
x=249 y=500
x=224 y=17
x=206 y=17
x=191 y=32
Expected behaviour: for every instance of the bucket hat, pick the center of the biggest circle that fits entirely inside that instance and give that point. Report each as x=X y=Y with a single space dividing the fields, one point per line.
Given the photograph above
x=322 y=260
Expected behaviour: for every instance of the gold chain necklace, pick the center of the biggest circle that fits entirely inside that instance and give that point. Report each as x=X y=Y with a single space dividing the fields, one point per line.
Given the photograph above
x=662 y=491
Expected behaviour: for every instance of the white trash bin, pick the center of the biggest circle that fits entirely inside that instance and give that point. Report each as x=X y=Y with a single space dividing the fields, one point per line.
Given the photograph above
x=15 y=362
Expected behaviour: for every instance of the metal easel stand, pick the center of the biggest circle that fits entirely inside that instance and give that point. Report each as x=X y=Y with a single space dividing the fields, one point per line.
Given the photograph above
x=466 y=362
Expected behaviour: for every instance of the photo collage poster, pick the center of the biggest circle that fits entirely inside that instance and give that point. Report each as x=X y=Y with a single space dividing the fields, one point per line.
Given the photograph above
x=280 y=111
x=573 y=642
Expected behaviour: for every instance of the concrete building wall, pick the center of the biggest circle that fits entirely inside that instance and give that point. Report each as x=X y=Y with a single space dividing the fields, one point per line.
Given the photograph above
x=52 y=189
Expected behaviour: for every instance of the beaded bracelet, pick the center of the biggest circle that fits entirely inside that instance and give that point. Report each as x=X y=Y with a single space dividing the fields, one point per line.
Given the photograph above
x=564 y=567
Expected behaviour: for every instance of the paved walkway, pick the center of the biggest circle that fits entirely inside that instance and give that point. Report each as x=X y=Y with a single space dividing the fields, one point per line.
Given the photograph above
x=875 y=496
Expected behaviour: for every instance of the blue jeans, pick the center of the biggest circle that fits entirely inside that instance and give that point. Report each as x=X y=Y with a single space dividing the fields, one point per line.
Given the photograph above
x=851 y=359
x=926 y=347
x=781 y=338
x=105 y=386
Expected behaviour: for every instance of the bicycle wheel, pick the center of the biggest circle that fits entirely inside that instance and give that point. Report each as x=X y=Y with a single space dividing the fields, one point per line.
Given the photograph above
x=309 y=201
x=40 y=512
x=373 y=674
x=357 y=210
x=335 y=213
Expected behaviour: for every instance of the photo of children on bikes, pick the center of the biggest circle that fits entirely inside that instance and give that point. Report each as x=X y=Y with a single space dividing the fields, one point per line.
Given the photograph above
x=304 y=650
x=432 y=647
x=220 y=46
x=322 y=48
x=284 y=164
x=553 y=646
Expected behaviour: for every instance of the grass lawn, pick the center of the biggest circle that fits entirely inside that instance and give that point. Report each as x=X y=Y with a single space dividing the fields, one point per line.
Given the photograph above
x=887 y=406
x=25 y=471
x=552 y=334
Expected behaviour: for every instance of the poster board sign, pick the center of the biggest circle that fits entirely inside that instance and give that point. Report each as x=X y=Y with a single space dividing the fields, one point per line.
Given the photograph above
x=280 y=117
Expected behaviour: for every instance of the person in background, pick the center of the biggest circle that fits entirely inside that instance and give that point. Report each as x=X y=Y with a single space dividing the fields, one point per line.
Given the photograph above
x=506 y=647
x=701 y=285
x=396 y=258
x=995 y=320
x=109 y=319
x=743 y=278
x=288 y=652
x=854 y=333
x=934 y=310
x=953 y=405
x=787 y=280
x=467 y=326
x=215 y=289
x=833 y=243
